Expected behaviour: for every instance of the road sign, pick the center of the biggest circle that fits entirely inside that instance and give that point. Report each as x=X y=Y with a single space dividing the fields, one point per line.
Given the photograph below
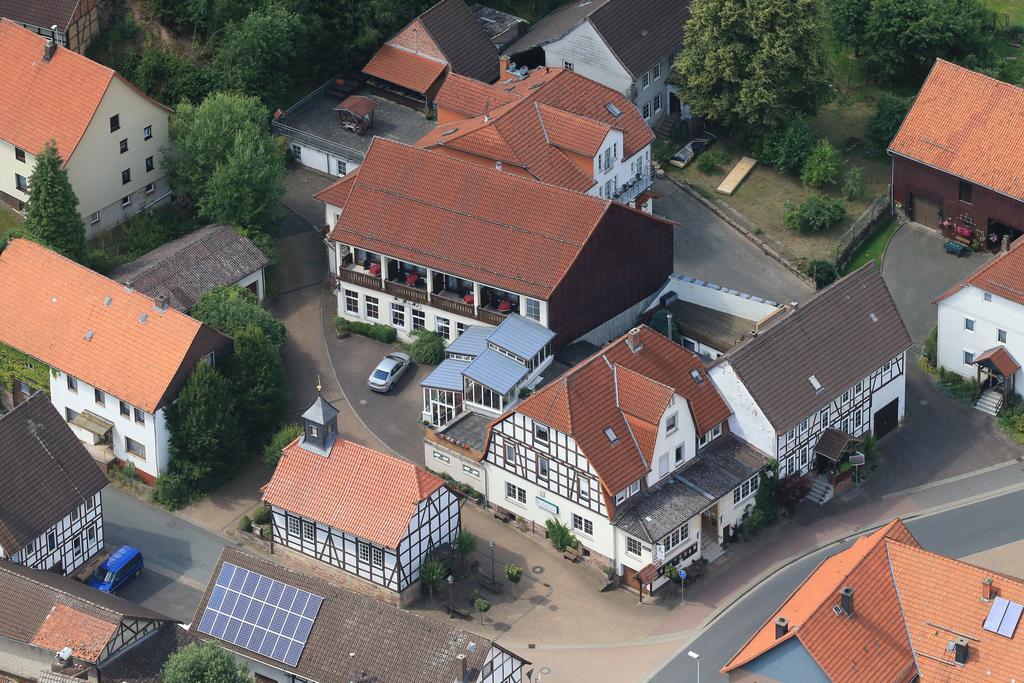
x=857 y=458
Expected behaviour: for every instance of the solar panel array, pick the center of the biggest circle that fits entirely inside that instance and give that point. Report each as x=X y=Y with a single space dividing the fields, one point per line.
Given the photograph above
x=260 y=614
x=1003 y=617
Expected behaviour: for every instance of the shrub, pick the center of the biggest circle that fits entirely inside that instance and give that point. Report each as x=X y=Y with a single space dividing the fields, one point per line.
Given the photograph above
x=203 y=664
x=823 y=273
x=245 y=524
x=790 y=492
x=428 y=348
x=709 y=162
x=853 y=183
x=382 y=333
x=822 y=166
x=787 y=151
x=930 y=347
x=174 y=491
x=887 y=119
x=672 y=573
x=465 y=543
x=262 y=514
x=561 y=536
x=432 y=573
x=284 y=436
x=817 y=214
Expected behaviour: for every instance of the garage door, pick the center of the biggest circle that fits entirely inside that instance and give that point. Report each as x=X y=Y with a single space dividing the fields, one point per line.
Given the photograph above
x=887 y=419
x=925 y=212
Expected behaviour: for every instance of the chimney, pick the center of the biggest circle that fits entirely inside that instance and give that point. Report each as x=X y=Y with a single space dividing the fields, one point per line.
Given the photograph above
x=160 y=302
x=960 y=646
x=1004 y=244
x=987 y=592
x=781 y=627
x=464 y=678
x=51 y=47
x=846 y=600
x=502 y=66
x=633 y=340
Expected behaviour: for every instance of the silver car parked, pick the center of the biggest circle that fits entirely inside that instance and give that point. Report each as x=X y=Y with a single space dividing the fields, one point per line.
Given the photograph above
x=388 y=372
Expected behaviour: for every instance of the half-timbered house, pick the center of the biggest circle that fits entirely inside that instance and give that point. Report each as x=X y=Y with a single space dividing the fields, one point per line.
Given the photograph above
x=337 y=635
x=371 y=514
x=51 y=510
x=813 y=382
x=628 y=449
x=50 y=622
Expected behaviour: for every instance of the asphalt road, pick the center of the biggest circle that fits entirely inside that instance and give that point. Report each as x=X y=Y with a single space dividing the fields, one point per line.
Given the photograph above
x=179 y=557
x=956 y=533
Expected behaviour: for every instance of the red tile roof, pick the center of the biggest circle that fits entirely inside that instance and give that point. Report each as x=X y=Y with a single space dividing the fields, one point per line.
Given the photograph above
x=909 y=604
x=336 y=194
x=628 y=392
x=356 y=489
x=56 y=311
x=969 y=125
x=404 y=68
x=1001 y=359
x=1002 y=276
x=456 y=217
x=86 y=635
x=532 y=122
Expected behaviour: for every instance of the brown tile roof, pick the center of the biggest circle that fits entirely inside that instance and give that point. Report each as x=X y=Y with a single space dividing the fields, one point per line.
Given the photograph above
x=184 y=269
x=532 y=122
x=1002 y=275
x=628 y=392
x=144 y=662
x=85 y=634
x=401 y=67
x=1000 y=359
x=49 y=305
x=390 y=643
x=460 y=37
x=638 y=32
x=41 y=13
x=47 y=472
x=355 y=489
x=980 y=139
x=456 y=217
x=840 y=335
x=909 y=605
x=42 y=100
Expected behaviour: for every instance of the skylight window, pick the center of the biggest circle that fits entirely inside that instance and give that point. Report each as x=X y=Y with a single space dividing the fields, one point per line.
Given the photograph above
x=874 y=318
x=1003 y=617
x=696 y=377
x=818 y=389
x=610 y=433
x=613 y=110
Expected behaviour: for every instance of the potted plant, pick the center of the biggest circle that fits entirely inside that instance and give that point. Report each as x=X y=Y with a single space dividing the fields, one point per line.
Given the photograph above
x=514 y=574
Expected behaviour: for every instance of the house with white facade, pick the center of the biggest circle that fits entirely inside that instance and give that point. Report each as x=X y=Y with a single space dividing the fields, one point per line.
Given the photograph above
x=112 y=140
x=981 y=328
x=819 y=377
x=319 y=632
x=51 y=508
x=550 y=124
x=631 y=450
x=373 y=515
x=420 y=240
x=117 y=358
x=627 y=45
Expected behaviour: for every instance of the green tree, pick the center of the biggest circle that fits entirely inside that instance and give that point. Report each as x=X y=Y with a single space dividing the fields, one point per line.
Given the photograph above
x=432 y=573
x=754 y=63
x=817 y=214
x=52 y=217
x=206 y=663
x=481 y=606
x=848 y=19
x=229 y=310
x=788 y=151
x=255 y=56
x=822 y=166
x=226 y=161
x=207 y=442
x=853 y=183
x=282 y=437
x=887 y=119
x=465 y=543
x=514 y=573
x=256 y=370
x=428 y=349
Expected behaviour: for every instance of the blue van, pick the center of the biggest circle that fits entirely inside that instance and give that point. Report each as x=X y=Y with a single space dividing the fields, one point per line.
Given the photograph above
x=124 y=564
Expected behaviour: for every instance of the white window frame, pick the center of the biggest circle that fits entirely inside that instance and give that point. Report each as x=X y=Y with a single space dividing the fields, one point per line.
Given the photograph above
x=528 y=309
x=419 y=319
x=657 y=103
x=671 y=423
x=372 y=303
x=679 y=455
x=515 y=494
x=634 y=542
x=646 y=112
x=584 y=489
x=543 y=468
x=352 y=301
x=294 y=527
x=582 y=525
x=634 y=488
x=442 y=458
x=308 y=531
x=986 y=296
x=397 y=314
x=377 y=556
x=443 y=326
x=1001 y=336
x=471 y=471
x=365 y=554
x=567 y=65
x=94 y=218
x=970 y=324
x=296 y=152
x=51 y=541
x=128 y=441
x=645 y=80
x=968 y=360
x=510 y=454
x=539 y=429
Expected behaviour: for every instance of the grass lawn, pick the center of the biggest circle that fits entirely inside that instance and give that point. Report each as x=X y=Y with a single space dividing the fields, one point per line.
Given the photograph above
x=873 y=248
x=9 y=220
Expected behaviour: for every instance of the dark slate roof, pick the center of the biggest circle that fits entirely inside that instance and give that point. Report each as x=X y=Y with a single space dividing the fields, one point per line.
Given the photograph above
x=184 y=269
x=28 y=595
x=41 y=13
x=660 y=509
x=460 y=37
x=495 y=22
x=390 y=643
x=47 y=472
x=321 y=412
x=143 y=663
x=833 y=443
x=638 y=32
x=722 y=465
x=469 y=429
x=840 y=335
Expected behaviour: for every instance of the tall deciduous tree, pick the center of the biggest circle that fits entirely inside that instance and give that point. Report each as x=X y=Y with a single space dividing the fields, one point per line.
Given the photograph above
x=206 y=663
x=753 y=63
x=52 y=217
x=212 y=142
x=256 y=371
x=256 y=55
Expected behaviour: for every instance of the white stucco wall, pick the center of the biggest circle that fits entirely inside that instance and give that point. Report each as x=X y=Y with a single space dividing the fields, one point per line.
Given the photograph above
x=747 y=421
x=883 y=396
x=989 y=317
x=589 y=55
x=685 y=435
x=320 y=160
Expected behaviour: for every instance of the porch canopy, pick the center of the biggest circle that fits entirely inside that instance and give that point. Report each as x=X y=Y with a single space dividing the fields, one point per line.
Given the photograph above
x=834 y=443
x=93 y=423
x=999 y=361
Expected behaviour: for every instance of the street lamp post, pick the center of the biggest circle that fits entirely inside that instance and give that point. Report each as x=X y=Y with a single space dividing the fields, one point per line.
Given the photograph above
x=451 y=594
x=694 y=655
x=494 y=578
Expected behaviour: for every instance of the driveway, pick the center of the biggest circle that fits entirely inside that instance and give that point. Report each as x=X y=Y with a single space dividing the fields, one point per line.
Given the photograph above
x=917 y=270
x=707 y=247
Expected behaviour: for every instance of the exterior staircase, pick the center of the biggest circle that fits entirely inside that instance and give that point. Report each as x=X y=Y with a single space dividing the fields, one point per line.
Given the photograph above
x=666 y=128
x=989 y=401
x=821 y=491
x=712 y=551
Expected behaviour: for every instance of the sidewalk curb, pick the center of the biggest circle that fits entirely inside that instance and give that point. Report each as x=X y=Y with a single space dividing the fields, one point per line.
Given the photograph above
x=757 y=241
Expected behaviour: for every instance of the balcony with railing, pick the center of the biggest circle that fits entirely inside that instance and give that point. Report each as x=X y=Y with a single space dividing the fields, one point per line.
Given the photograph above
x=635 y=186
